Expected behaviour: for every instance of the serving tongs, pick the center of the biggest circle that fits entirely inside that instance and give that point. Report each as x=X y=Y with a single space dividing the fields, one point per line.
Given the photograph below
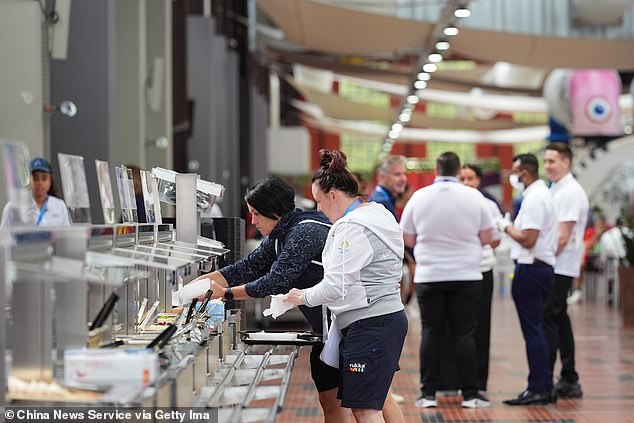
x=163 y=338
x=104 y=312
x=190 y=325
x=202 y=310
x=190 y=312
x=97 y=330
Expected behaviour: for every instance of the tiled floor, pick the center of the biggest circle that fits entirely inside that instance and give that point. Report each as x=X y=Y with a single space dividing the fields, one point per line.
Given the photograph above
x=605 y=361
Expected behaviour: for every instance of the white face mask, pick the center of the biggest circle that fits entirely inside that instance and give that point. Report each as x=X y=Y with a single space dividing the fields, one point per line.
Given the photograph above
x=515 y=182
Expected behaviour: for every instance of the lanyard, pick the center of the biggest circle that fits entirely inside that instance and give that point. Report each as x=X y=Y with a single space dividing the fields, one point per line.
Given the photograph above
x=382 y=190
x=352 y=206
x=41 y=216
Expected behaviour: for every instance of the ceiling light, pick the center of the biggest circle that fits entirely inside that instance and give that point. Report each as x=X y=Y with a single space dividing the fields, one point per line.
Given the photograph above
x=404 y=117
x=450 y=31
x=420 y=85
x=393 y=134
x=462 y=12
x=442 y=45
x=430 y=67
x=413 y=99
x=423 y=76
x=397 y=126
x=435 y=57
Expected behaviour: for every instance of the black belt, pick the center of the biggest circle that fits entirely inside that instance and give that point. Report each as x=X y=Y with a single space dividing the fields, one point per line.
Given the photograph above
x=536 y=262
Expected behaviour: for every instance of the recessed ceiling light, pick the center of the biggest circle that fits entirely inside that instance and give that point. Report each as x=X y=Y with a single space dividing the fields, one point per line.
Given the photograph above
x=420 y=85
x=442 y=45
x=435 y=57
x=423 y=76
x=462 y=12
x=450 y=31
x=430 y=67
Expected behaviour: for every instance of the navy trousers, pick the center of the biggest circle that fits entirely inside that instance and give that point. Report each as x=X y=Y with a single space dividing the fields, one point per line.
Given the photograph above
x=532 y=284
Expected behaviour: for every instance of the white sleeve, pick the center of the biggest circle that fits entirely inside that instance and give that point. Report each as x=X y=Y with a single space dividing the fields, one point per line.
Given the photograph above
x=495 y=215
x=349 y=253
x=533 y=214
x=407 y=218
x=486 y=219
x=569 y=207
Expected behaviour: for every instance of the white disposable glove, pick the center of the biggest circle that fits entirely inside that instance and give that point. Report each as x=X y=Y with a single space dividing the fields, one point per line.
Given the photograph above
x=190 y=291
x=501 y=223
x=278 y=306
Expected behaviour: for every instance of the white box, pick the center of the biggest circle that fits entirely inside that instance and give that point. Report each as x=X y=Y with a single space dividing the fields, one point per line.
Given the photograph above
x=110 y=367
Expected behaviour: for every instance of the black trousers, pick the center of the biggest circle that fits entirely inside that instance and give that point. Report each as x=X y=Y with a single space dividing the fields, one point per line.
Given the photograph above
x=483 y=330
x=455 y=303
x=449 y=378
x=559 y=330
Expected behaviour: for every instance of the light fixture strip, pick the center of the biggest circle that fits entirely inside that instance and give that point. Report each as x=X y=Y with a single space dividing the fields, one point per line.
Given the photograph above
x=436 y=45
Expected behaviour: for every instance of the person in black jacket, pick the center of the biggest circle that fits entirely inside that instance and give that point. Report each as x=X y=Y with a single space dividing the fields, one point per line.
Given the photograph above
x=288 y=257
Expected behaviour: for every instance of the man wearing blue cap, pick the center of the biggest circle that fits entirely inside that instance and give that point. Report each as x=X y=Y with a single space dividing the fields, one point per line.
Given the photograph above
x=45 y=209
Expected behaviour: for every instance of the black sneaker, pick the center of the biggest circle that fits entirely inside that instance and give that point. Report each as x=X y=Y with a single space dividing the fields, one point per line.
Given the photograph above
x=568 y=390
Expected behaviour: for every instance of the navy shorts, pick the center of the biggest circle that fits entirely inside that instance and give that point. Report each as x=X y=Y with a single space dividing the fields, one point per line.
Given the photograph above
x=324 y=376
x=368 y=358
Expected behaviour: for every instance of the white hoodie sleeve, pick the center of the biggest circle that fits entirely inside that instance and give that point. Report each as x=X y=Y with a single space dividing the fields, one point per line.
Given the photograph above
x=350 y=251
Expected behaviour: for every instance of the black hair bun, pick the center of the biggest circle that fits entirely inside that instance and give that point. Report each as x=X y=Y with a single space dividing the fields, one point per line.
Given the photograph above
x=332 y=160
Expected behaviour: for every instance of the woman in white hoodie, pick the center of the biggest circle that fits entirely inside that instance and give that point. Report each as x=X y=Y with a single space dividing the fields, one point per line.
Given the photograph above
x=362 y=262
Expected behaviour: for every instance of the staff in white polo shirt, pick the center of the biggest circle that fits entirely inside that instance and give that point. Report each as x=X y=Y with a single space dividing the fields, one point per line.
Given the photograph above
x=535 y=234
x=572 y=207
x=44 y=209
x=447 y=223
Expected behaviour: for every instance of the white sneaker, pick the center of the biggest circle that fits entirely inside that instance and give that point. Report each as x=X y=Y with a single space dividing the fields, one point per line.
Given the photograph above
x=574 y=297
x=398 y=398
x=426 y=402
x=478 y=401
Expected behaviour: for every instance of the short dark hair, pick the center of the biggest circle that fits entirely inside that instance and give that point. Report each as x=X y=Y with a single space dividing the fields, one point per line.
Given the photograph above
x=529 y=163
x=476 y=169
x=334 y=174
x=448 y=164
x=271 y=197
x=562 y=148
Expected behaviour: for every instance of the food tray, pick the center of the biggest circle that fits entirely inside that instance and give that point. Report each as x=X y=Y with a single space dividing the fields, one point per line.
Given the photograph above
x=279 y=338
